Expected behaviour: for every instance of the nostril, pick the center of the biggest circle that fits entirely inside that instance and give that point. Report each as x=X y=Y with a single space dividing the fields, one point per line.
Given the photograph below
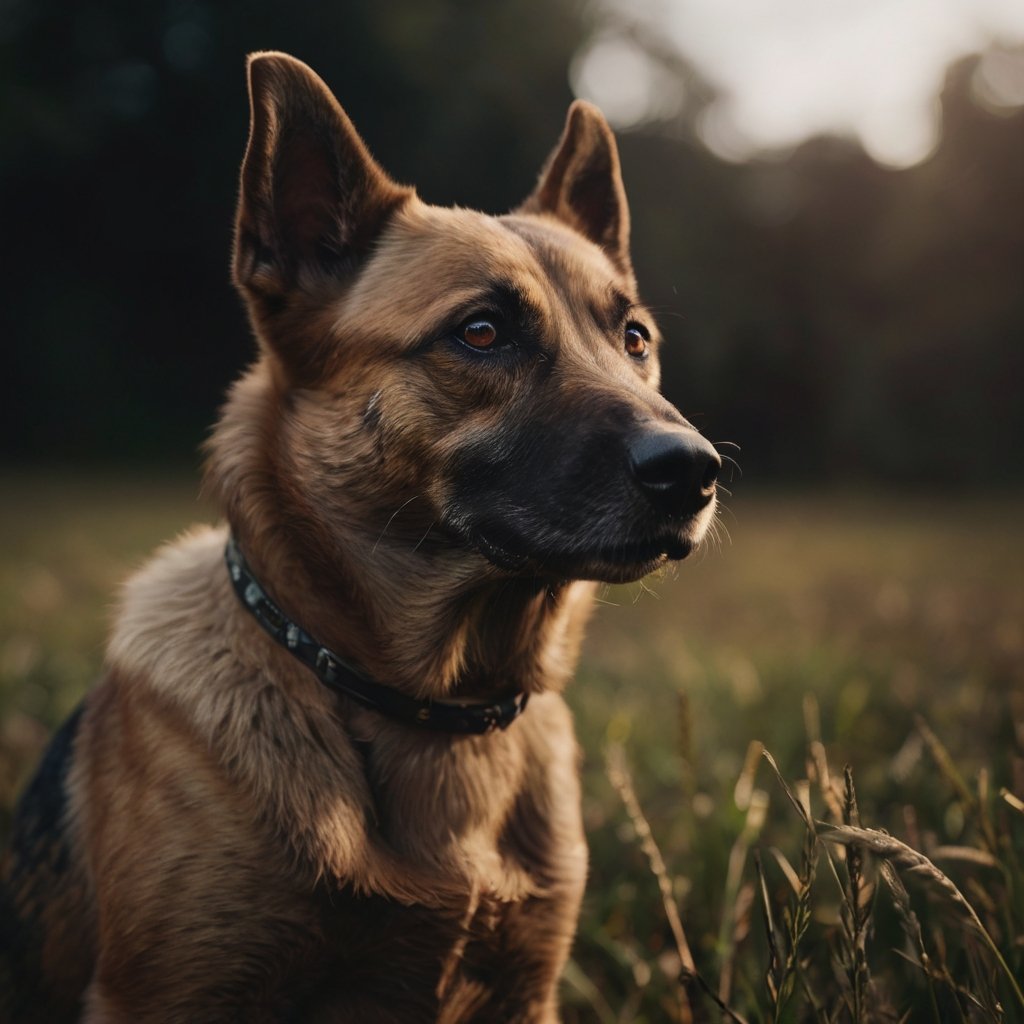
x=711 y=473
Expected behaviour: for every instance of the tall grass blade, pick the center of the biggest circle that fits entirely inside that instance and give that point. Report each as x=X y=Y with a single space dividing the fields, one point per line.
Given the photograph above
x=916 y=865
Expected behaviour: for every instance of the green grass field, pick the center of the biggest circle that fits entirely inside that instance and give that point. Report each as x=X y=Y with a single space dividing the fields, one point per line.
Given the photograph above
x=876 y=631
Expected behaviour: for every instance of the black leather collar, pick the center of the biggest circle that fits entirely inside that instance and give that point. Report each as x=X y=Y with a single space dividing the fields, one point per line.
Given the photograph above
x=341 y=676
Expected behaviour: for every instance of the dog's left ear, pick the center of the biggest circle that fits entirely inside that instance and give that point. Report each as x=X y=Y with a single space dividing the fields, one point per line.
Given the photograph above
x=312 y=199
x=581 y=184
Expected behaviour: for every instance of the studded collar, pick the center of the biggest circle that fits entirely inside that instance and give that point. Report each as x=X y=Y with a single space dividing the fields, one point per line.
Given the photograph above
x=341 y=676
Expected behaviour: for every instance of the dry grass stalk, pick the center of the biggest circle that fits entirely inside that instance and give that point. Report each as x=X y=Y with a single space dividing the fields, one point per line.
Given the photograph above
x=981 y=897
x=620 y=778
x=744 y=788
x=944 y=760
x=786 y=868
x=857 y=904
x=622 y=781
x=1014 y=801
x=973 y=805
x=916 y=865
x=984 y=806
x=773 y=973
x=798 y=804
x=757 y=811
x=799 y=917
x=812 y=717
x=912 y=929
x=817 y=769
x=966 y=854
x=740 y=930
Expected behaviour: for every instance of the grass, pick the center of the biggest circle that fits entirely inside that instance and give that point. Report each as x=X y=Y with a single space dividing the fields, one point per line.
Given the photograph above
x=883 y=634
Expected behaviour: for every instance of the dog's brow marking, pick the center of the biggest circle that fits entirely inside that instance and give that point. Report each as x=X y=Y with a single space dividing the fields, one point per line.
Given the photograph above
x=620 y=305
x=502 y=296
x=390 y=521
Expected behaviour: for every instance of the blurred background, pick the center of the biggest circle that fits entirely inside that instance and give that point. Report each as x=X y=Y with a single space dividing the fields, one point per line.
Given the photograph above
x=827 y=197
x=828 y=211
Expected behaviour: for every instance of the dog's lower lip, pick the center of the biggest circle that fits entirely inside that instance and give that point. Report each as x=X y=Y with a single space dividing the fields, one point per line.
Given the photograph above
x=672 y=548
x=640 y=555
x=678 y=549
x=632 y=552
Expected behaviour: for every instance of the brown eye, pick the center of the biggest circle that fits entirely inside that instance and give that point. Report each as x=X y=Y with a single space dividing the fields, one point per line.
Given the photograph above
x=480 y=334
x=636 y=343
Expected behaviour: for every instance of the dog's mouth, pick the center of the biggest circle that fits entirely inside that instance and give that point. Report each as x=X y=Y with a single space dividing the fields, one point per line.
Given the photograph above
x=620 y=562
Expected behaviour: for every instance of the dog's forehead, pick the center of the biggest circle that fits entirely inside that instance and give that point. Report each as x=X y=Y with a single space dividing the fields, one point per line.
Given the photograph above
x=575 y=264
x=431 y=260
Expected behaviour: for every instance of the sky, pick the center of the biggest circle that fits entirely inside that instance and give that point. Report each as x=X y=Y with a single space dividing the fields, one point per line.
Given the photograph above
x=786 y=70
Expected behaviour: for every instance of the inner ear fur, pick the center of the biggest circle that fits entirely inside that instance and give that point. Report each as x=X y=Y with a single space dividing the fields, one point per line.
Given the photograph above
x=581 y=184
x=312 y=199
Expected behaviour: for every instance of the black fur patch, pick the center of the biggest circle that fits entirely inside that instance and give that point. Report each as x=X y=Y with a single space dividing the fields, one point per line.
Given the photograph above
x=38 y=819
x=38 y=857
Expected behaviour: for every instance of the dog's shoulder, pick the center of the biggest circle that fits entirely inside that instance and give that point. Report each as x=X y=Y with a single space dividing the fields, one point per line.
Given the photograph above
x=193 y=673
x=179 y=650
x=168 y=608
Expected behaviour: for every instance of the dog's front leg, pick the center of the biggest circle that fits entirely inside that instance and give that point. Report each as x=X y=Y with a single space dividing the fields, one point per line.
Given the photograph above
x=524 y=956
x=538 y=939
x=100 y=1009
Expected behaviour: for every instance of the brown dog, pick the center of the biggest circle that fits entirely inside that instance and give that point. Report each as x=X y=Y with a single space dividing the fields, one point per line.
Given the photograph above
x=308 y=787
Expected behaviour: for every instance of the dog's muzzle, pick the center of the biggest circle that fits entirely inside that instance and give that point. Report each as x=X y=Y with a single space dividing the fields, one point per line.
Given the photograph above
x=600 y=504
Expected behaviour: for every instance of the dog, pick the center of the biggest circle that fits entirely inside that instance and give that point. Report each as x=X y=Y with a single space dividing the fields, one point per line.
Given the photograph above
x=327 y=774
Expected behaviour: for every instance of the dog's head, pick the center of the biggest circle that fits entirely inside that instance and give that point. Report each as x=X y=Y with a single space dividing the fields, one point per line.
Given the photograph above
x=472 y=385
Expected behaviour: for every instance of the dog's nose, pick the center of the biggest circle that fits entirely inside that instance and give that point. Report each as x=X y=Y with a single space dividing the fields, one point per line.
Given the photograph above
x=676 y=469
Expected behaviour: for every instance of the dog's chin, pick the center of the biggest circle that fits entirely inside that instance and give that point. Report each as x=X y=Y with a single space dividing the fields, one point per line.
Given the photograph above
x=605 y=571
x=624 y=562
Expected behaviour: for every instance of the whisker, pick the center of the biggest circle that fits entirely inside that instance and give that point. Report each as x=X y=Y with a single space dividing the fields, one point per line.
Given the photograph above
x=390 y=521
x=715 y=534
x=734 y=465
x=719 y=523
x=424 y=537
x=724 y=510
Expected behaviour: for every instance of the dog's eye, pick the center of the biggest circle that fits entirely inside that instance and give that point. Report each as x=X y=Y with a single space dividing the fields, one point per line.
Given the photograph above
x=636 y=341
x=479 y=334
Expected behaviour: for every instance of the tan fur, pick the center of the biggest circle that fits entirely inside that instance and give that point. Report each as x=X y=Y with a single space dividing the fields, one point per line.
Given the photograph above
x=244 y=843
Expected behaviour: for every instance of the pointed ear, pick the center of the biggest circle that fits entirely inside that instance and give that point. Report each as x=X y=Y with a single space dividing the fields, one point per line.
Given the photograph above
x=581 y=184
x=312 y=198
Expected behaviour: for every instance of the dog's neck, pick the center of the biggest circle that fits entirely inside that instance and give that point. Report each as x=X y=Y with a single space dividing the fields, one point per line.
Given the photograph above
x=425 y=631
x=431 y=619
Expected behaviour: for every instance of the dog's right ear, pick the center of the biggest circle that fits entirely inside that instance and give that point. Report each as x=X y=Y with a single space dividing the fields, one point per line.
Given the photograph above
x=581 y=184
x=312 y=198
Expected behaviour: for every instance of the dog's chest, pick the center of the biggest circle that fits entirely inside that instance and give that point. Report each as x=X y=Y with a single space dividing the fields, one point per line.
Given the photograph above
x=400 y=960
x=446 y=814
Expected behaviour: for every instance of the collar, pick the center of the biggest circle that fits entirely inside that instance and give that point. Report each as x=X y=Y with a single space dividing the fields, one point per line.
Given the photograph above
x=342 y=677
